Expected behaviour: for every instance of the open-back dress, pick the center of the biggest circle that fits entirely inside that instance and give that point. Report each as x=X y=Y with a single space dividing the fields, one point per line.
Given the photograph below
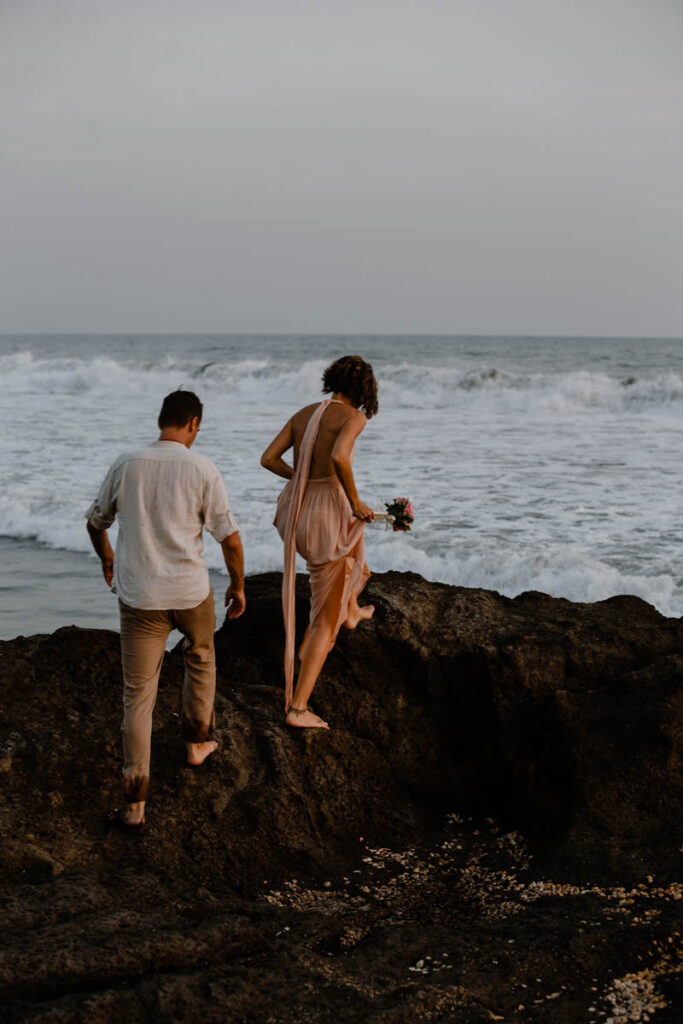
x=314 y=518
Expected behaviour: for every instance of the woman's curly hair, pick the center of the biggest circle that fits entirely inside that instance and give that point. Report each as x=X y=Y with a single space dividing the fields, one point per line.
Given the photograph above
x=353 y=377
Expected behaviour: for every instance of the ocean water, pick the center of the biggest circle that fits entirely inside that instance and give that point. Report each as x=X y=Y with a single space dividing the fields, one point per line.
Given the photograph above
x=550 y=464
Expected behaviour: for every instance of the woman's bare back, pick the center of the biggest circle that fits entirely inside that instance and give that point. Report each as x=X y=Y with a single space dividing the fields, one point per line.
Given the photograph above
x=333 y=419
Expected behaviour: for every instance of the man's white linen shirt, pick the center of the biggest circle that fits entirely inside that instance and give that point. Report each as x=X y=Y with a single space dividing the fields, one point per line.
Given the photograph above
x=164 y=495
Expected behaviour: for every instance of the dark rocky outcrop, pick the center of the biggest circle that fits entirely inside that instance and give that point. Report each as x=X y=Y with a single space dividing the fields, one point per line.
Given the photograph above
x=533 y=717
x=561 y=719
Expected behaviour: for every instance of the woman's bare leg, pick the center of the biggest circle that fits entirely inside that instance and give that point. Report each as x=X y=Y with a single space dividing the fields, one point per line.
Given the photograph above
x=316 y=650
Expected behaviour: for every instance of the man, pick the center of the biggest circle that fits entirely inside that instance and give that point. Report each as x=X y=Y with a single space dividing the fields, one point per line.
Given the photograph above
x=164 y=495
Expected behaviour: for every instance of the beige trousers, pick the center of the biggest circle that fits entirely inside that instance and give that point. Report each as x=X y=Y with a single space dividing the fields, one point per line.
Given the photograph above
x=143 y=643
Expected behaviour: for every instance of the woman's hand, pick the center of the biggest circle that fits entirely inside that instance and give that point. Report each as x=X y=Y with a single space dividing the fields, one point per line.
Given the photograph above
x=363 y=511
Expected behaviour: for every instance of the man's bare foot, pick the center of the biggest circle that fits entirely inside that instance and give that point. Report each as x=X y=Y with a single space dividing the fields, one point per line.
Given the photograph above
x=134 y=814
x=197 y=753
x=359 y=613
x=304 y=718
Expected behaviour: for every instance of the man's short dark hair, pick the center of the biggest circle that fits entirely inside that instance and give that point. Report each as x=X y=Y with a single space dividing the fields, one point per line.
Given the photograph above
x=179 y=408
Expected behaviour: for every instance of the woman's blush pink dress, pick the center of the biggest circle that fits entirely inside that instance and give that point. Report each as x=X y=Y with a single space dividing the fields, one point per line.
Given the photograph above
x=314 y=518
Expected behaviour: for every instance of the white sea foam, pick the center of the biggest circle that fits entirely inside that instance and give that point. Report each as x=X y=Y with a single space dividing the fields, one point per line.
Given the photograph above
x=573 y=574
x=408 y=384
x=556 y=471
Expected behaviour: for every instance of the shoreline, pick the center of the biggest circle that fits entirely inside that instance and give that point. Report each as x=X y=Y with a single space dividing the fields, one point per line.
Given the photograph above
x=43 y=589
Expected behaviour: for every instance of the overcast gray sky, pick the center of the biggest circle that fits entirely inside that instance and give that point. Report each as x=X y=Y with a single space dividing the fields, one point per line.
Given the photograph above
x=485 y=166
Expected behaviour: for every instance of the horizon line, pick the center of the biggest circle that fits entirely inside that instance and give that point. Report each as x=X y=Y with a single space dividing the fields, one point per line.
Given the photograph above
x=338 y=334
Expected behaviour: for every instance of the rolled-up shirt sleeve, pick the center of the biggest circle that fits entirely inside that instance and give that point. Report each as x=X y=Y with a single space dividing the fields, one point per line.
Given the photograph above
x=102 y=512
x=218 y=518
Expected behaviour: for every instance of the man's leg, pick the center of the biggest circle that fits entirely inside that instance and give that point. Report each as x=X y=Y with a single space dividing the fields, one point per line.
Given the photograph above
x=143 y=642
x=199 y=689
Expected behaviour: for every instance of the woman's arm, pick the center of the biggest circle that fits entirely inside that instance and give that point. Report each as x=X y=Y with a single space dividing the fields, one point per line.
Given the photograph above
x=341 y=460
x=272 y=456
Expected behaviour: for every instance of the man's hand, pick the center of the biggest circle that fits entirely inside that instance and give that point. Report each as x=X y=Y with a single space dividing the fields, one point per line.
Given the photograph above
x=108 y=570
x=235 y=602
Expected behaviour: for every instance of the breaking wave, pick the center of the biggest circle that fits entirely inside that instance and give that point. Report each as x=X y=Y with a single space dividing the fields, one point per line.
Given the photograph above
x=408 y=384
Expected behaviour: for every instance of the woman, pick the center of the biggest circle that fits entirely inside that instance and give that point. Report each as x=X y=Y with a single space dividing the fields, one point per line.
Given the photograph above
x=320 y=515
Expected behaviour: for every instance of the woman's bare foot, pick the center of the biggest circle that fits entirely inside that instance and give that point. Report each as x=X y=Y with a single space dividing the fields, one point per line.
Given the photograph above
x=359 y=613
x=304 y=718
x=197 y=753
x=134 y=814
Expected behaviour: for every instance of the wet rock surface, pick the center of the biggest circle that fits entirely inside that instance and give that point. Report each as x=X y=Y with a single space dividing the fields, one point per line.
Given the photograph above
x=491 y=830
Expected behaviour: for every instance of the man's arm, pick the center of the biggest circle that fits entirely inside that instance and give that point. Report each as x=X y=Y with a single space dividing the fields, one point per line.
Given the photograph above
x=100 y=542
x=101 y=515
x=235 y=601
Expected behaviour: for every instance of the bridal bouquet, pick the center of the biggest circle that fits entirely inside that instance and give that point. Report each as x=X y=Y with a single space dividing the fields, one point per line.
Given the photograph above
x=399 y=514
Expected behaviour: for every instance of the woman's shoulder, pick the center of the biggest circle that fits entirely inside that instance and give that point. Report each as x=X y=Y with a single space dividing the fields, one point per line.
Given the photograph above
x=305 y=413
x=348 y=413
x=300 y=419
